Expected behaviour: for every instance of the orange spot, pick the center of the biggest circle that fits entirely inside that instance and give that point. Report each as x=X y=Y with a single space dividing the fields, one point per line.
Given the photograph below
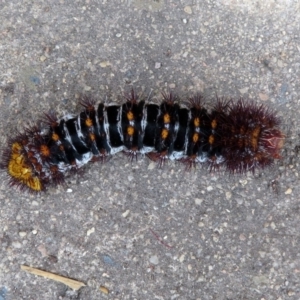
x=88 y=122
x=167 y=118
x=55 y=137
x=130 y=116
x=214 y=124
x=92 y=136
x=196 y=122
x=254 y=138
x=195 y=137
x=211 y=139
x=61 y=148
x=45 y=151
x=164 y=133
x=130 y=130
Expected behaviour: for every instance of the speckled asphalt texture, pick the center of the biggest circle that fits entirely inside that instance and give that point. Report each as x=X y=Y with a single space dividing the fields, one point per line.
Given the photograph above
x=137 y=230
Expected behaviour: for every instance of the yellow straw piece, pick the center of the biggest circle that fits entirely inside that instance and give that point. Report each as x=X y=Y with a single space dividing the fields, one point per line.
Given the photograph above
x=73 y=284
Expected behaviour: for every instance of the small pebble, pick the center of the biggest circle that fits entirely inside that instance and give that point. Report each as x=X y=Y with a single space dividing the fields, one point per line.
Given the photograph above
x=151 y=165
x=157 y=65
x=213 y=54
x=188 y=9
x=201 y=224
x=90 y=231
x=198 y=201
x=181 y=258
x=288 y=191
x=263 y=97
x=154 y=260
x=280 y=63
x=228 y=195
x=244 y=90
x=126 y=213
x=108 y=260
x=243 y=182
x=22 y=233
x=17 y=245
x=43 y=58
x=259 y=202
x=242 y=237
x=291 y=293
x=104 y=289
x=104 y=64
x=261 y=279
x=209 y=188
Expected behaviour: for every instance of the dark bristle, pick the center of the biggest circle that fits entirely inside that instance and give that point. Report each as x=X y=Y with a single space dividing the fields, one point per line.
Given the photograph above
x=189 y=163
x=197 y=101
x=222 y=105
x=170 y=97
x=160 y=158
x=50 y=119
x=131 y=154
x=88 y=103
x=132 y=97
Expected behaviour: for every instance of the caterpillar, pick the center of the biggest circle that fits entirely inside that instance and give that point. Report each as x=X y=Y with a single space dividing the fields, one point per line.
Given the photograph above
x=239 y=135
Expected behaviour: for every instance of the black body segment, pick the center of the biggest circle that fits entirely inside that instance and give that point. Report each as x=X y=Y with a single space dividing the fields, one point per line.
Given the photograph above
x=181 y=134
x=152 y=111
x=113 y=122
x=198 y=133
x=165 y=129
x=76 y=137
x=89 y=126
x=101 y=135
x=132 y=116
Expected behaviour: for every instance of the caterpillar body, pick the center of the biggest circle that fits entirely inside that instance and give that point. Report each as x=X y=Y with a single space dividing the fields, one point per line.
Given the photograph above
x=240 y=136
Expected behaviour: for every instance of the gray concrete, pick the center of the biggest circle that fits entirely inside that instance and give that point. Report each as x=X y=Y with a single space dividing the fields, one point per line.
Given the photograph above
x=225 y=237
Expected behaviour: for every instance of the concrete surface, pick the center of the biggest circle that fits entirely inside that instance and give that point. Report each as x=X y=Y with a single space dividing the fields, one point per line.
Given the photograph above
x=139 y=231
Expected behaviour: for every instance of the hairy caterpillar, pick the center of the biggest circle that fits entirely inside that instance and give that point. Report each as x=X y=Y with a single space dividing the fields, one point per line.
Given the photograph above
x=240 y=136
